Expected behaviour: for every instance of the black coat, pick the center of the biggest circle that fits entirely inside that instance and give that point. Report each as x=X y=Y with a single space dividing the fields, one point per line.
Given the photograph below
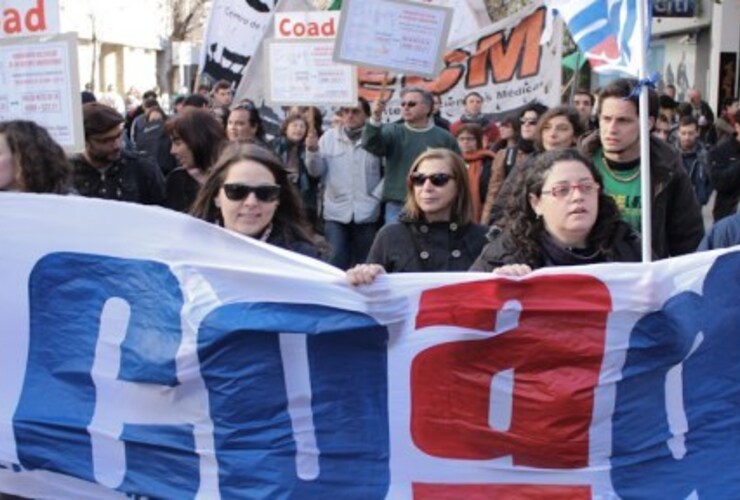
x=503 y=250
x=408 y=247
x=132 y=177
x=677 y=225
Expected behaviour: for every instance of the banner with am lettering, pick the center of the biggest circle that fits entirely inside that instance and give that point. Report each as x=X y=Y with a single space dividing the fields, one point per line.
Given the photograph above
x=162 y=356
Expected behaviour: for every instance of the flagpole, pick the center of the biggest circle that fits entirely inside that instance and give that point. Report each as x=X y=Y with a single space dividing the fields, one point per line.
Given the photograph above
x=645 y=184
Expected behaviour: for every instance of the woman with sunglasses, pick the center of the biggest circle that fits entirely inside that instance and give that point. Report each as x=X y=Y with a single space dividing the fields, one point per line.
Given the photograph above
x=559 y=216
x=508 y=159
x=248 y=192
x=435 y=231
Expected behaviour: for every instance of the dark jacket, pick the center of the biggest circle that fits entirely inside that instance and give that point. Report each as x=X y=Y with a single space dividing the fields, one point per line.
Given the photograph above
x=132 y=177
x=696 y=163
x=408 y=247
x=724 y=169
x=307 y=186
x=181 y=188
x=503 y=250
x=293 y=242
x=677 y=224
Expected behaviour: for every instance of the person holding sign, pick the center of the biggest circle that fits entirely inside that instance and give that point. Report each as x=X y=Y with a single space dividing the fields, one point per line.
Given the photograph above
x=401 y=143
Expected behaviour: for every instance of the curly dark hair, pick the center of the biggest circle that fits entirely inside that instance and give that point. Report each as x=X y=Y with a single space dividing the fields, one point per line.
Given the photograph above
x=526 y=229
x=43 y=165
x=201 y=132
x=289 y=216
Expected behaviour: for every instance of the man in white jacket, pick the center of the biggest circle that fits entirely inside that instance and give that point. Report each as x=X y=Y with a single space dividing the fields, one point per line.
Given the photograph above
x=350 y=176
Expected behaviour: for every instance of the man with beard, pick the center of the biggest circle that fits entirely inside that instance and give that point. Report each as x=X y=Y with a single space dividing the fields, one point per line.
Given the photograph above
x=676 y=221
x=106 y=170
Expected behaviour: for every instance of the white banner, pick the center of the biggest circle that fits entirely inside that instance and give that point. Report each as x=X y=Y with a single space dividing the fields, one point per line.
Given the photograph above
x=162 y=356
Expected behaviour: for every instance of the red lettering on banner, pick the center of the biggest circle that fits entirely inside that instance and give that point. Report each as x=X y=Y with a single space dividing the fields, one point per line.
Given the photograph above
x=555 y=353
x=35 y=19
x=422 y=491
x=291 y=28
x=520 y=53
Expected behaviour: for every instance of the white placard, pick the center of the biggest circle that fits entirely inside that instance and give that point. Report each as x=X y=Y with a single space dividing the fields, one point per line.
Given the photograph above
x=304 y=73
x=393 y=35
x=28 y=17
x=39 y=81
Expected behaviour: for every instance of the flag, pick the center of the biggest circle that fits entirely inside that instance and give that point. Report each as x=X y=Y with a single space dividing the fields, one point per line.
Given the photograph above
x=607 y=32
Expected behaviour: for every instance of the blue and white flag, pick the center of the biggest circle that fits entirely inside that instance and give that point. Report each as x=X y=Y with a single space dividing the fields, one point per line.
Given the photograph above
x=607 y=32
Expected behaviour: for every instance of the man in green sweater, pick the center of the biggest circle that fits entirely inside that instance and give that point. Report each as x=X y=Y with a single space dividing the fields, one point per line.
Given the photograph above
x=400 y=143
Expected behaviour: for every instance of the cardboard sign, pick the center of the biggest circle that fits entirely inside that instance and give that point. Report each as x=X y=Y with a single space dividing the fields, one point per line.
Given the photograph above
x=39 y=81
x=404 y=37
x=302 y=72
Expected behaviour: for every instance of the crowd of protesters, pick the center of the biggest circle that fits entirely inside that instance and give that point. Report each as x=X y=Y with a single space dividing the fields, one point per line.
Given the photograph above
x=538 y=187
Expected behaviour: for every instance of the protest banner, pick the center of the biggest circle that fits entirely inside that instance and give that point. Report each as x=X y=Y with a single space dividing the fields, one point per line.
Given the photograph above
x=29 y=18
x=233 y=33
x=39 y=81
x=302 y=72
x=393 y=35
x=166 y=357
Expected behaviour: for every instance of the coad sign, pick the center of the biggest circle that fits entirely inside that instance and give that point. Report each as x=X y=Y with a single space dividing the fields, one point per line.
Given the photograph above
x=302 y=25
x=29 y=17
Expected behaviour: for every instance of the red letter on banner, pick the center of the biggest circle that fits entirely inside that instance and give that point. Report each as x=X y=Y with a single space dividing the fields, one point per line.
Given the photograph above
x=424 y=491
x=555 y=353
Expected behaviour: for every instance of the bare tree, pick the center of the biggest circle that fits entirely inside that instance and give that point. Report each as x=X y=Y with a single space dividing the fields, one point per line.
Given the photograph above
x=187 y=18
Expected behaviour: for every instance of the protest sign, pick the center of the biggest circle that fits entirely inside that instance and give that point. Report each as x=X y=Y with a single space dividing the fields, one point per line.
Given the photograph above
x=393 y=35
x=166 y=357
x=302 y=72
x=29 y=17
x=39 y=81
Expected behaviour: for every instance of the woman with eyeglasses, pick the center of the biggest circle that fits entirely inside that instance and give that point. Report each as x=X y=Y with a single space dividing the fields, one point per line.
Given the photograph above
x=248 y=192
x=436 y=231
x=559 y=216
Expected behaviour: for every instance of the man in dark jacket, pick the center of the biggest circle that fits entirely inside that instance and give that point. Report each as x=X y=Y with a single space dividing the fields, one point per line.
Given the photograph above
x=724 y=169
x=676 y=220
x=106 y=170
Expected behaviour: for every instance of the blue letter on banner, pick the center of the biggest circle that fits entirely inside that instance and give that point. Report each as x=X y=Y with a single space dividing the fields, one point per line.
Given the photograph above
x=669 y=450
x=255 y=434
x=68 y=293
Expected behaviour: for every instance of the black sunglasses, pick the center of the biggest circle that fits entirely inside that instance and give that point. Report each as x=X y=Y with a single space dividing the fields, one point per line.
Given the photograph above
x=408 y=104
x=238 y=192
x=438 y=180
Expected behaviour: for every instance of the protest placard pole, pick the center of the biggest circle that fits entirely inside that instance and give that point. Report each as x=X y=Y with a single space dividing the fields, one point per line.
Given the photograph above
x=645 y=184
